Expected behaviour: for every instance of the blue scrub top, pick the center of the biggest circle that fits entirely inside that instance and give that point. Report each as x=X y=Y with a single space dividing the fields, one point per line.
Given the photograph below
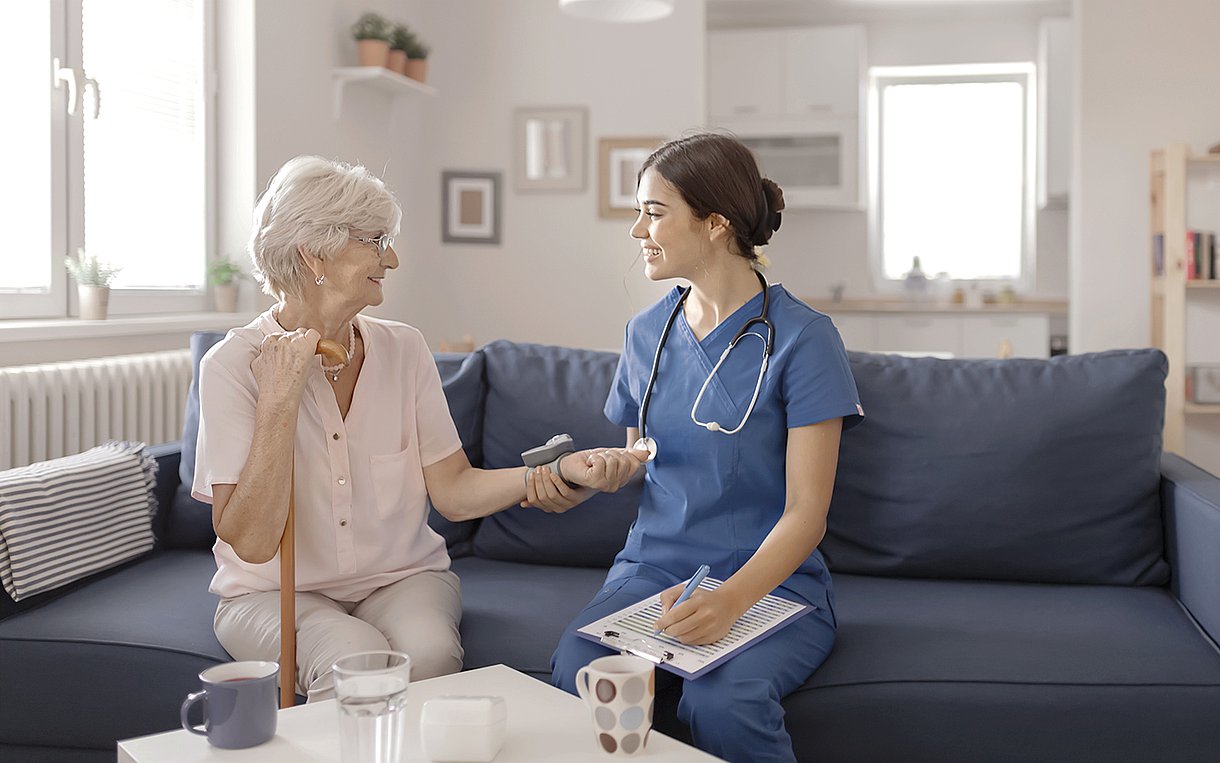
x=711 y=498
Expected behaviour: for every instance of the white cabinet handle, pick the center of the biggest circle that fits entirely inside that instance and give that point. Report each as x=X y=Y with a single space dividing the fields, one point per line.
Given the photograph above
x=67 y=75
x=91 y=84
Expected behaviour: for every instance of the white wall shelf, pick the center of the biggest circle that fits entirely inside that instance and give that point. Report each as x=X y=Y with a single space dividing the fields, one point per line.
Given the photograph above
x=378 y=78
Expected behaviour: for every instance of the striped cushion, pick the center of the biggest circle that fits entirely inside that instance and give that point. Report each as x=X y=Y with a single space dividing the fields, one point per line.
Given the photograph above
x=64 y=519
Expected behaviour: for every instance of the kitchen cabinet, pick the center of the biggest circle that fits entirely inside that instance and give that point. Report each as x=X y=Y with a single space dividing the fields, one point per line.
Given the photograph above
x=889 y=326
x=757 y=77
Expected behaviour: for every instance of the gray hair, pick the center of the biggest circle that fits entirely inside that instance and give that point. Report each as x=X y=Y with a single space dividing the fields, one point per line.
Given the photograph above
x=314 y=204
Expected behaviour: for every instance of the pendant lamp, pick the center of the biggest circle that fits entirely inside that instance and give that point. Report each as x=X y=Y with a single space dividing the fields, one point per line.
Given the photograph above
x=618 y=10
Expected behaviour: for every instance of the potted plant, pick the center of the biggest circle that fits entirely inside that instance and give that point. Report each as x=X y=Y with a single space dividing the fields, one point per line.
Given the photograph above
x=93 y=279
x=417 y=59
x=223 y=275
x=401 y=40
x=372 y=33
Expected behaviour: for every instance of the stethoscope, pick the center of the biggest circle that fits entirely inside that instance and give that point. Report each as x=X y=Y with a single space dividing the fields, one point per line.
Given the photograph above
x=647 y=443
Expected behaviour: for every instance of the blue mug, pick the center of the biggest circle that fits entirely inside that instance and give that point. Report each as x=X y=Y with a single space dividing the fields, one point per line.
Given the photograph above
x=239 y=701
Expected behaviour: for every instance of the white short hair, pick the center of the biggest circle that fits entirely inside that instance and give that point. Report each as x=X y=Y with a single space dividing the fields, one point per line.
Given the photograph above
x=314 y=204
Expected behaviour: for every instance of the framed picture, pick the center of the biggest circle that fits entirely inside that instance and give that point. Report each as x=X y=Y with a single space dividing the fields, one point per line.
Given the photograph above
x=619 y=161
x=470 y=207
x=549 y=148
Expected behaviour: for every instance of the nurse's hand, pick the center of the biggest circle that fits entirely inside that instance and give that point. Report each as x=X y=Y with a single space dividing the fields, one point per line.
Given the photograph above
x=605 y=469
x=705 y=617
x=544 y=490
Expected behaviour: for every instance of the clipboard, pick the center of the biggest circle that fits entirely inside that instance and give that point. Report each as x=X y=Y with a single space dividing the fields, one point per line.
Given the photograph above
x=630 y=630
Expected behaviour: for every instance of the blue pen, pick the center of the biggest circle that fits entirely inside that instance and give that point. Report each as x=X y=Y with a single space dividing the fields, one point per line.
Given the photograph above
x=690 y=588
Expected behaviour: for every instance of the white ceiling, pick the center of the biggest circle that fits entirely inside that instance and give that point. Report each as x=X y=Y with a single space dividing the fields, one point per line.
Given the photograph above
x=747 y=13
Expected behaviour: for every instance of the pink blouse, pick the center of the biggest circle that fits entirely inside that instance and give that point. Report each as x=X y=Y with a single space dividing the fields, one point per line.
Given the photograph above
x=361 y=503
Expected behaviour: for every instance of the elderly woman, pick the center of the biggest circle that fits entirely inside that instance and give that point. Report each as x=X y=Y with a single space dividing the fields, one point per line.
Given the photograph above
x=373 y=440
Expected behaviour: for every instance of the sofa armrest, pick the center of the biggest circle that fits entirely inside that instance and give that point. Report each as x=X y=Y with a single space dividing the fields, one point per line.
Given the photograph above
x=168 y=455
x=1190 y=498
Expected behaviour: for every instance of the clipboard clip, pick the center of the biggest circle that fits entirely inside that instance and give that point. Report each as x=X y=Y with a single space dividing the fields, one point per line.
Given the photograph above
x=637 y=646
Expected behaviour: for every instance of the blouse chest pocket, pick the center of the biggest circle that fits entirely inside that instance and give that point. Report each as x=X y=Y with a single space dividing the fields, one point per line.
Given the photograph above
x=398 y=483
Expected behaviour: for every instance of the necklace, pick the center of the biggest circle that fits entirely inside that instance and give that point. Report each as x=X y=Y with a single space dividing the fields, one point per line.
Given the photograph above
x=351 y=350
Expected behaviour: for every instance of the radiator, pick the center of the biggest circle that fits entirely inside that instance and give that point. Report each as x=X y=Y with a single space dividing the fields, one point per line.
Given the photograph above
x=57 y=409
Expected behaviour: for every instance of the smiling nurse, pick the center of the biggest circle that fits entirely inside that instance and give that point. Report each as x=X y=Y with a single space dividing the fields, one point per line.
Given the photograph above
x=746 y=444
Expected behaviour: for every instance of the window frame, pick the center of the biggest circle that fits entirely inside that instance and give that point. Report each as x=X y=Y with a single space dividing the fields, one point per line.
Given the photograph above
x=1021 y=73
x=67 y=186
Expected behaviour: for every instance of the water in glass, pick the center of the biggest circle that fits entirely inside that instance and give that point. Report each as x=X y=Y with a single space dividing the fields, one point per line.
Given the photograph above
x=371 y=690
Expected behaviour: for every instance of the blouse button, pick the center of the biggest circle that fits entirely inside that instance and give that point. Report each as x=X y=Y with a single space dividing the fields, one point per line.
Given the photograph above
x=342 y=481
x=335 y=435
x=343 y=523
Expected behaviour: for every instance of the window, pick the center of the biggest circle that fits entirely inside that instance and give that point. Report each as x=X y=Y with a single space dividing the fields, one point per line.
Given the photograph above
x=112 y=151
x=953 y=174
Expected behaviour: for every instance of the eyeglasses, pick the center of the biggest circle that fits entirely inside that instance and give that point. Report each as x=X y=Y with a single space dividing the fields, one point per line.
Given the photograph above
x=382 y=242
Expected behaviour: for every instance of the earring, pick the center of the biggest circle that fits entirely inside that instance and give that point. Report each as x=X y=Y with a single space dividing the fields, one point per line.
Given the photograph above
x=319 y=280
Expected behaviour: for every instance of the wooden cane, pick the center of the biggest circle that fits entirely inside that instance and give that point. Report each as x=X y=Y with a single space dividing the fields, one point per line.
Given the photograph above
x=288 y=601
x=334 y=353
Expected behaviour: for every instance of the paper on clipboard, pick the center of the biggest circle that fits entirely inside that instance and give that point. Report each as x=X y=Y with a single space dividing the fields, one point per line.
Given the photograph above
x=630 y=630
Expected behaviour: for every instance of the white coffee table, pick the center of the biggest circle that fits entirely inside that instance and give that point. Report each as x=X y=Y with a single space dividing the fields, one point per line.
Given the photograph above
x=544 y=724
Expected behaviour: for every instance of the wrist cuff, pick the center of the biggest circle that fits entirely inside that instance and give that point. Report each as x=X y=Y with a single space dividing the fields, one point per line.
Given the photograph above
x=558 y=471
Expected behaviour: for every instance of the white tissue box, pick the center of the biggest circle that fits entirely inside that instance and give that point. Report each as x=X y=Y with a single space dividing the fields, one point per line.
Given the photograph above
x=467 y=729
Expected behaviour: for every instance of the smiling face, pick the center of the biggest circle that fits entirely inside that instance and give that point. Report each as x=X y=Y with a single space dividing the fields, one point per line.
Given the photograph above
x=672 y=240
x=355 y=274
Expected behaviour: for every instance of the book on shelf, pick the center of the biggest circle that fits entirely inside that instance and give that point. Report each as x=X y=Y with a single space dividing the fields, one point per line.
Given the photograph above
x=1201 y=260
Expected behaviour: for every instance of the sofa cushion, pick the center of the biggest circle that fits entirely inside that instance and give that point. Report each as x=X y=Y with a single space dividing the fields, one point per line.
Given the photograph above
x=188 y=523
x=936 y=670
x=67 y=518
x=533 y=392
x=464 y=386
x=1036 y=470
x=128 y=646
x=515 y=613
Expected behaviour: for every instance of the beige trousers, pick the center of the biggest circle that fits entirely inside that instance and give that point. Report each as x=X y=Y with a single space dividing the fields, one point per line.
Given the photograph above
x=418 y=615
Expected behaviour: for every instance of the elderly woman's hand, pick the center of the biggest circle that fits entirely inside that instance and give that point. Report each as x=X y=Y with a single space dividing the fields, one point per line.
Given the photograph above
x=605 y=469
x=544 y=490
x=283 y=364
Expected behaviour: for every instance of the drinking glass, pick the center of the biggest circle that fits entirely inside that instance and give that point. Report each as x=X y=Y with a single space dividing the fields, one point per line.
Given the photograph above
x=371 y=690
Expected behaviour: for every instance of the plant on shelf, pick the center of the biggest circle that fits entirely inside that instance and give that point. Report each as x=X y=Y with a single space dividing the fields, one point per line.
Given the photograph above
x=223 y=271
x=372 y=33
x=417 y=59
x=93 y=279
x=223 y=275
x=401 y=41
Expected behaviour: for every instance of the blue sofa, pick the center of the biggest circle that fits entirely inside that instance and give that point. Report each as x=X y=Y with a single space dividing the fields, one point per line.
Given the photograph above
x=1020 y=574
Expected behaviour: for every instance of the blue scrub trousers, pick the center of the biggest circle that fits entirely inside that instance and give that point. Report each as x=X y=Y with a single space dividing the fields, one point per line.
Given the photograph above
x=734 y=710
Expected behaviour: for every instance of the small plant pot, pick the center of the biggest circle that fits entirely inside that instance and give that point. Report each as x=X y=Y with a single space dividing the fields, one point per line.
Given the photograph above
x=397 y=62
x=417 y=69
x=224 y=298
x=372 y=52
x=94 y=302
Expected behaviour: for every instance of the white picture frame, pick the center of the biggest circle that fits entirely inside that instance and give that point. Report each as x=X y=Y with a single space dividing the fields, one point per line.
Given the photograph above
x=549 y=148
x=470 y=207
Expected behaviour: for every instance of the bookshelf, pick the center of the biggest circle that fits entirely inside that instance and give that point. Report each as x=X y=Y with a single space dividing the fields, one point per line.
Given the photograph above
x=1169 y=171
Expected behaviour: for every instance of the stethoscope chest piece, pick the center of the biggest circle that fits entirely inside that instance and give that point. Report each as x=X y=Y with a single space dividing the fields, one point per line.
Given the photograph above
x=648 y=444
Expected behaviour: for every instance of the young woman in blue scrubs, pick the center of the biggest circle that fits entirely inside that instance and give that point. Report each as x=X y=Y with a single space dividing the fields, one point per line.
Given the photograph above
x=752 y=504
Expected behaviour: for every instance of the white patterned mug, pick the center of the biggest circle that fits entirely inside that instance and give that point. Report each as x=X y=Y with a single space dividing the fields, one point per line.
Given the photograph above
x=619 y=691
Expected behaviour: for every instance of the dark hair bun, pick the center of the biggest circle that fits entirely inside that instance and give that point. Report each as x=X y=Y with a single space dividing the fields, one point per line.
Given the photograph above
x=770 y=223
